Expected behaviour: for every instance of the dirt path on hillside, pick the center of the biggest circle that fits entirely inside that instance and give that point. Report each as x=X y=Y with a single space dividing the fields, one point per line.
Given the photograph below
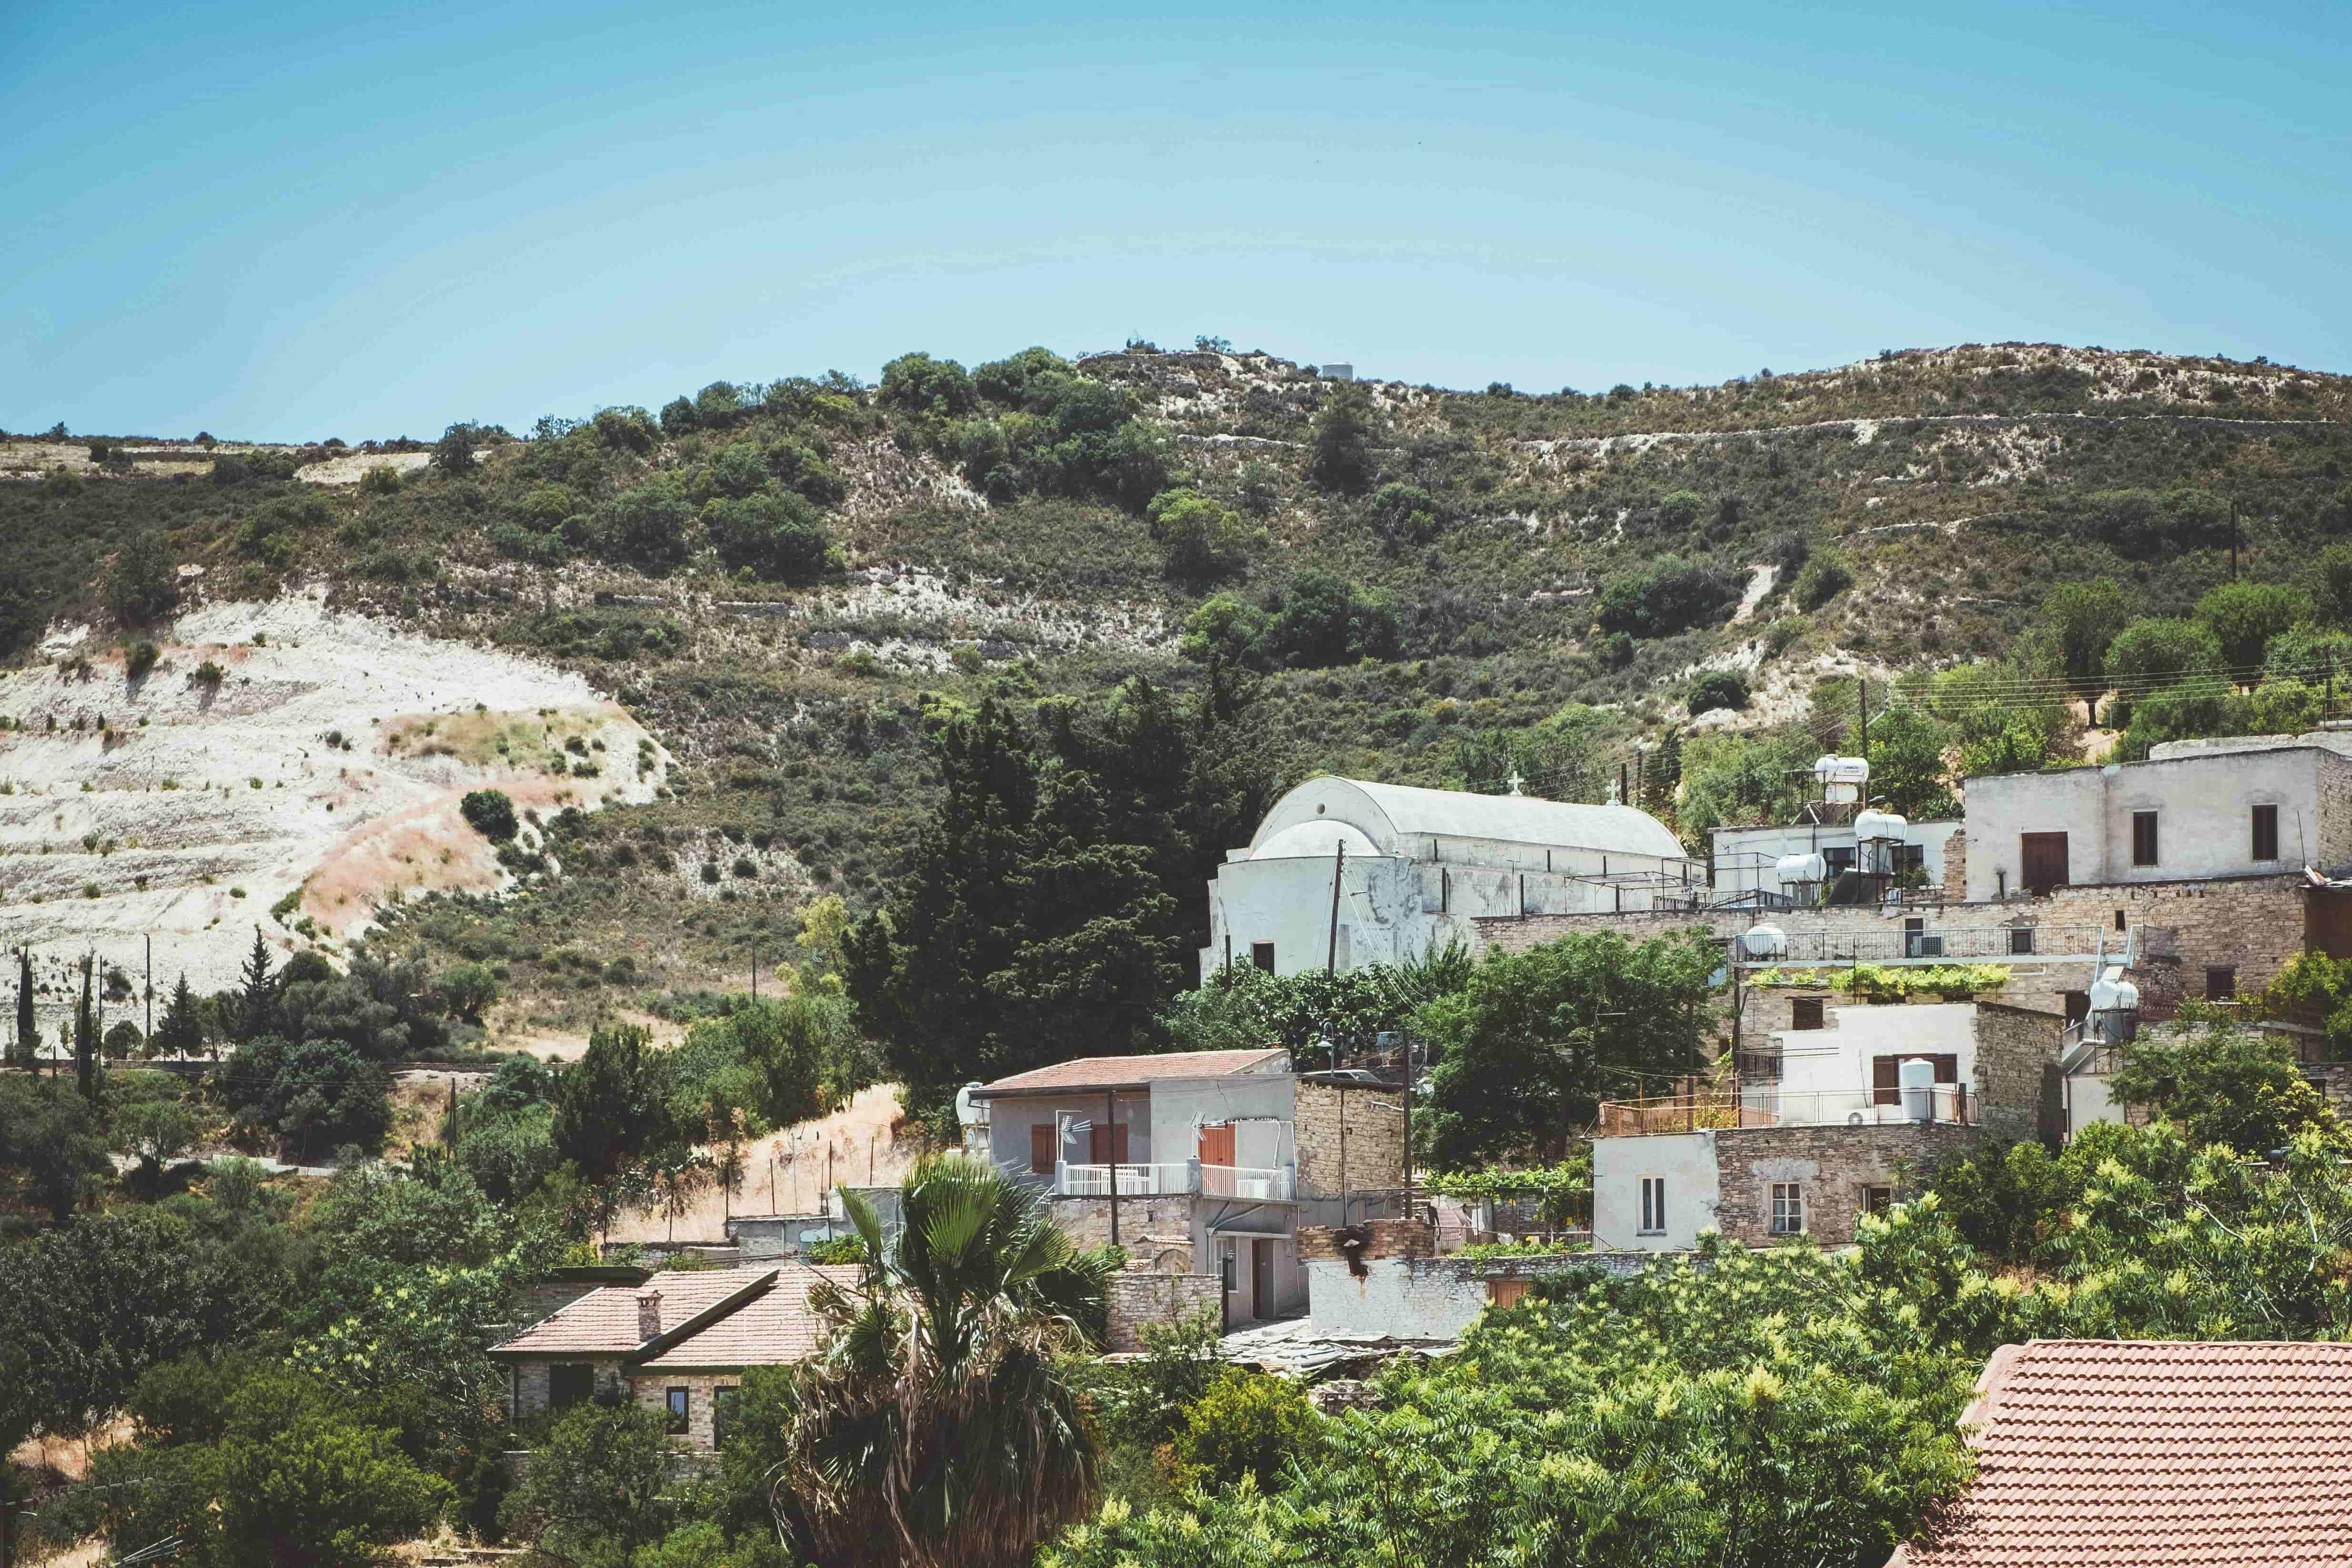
x=788 y=1171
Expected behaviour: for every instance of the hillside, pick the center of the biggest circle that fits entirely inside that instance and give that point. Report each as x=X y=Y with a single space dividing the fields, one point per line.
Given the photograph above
x=992 y=531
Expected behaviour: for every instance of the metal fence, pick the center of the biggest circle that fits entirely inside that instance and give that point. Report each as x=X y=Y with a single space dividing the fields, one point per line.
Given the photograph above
x=1931 y=945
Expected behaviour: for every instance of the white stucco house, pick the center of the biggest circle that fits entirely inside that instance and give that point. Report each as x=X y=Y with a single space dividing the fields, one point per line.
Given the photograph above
x=2240 y=806
x=1420 y=865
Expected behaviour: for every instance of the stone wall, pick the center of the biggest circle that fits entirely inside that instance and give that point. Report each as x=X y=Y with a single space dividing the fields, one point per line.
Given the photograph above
x=2249 y=924
x=1956 y=866
x=1148 y=1228
x=2017 y=1052
x=1349 y=1139
x=1137 y=1299
x=652 y=1392
x=1403 y=1297
x=1390 y=1238
x=1832 y=1165
x=527 y=1385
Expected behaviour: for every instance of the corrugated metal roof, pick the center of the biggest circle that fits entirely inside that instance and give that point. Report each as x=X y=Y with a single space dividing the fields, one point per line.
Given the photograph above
x=1115 y=1072
x=1387 y=812
x=2100 y=1452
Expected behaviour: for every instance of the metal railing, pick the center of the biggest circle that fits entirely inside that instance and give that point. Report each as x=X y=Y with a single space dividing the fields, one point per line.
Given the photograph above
x=1767 y=1105
x=1931 y=945
x=1134 y=1181
x=1175 y=1179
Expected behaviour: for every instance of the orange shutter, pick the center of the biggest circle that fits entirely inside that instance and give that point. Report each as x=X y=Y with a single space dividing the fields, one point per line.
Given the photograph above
x=1041 y=1148
x=1506 y=1292
x=1217 y=1146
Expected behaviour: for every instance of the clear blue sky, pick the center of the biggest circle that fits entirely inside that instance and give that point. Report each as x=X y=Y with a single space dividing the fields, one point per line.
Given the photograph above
x=286 y=221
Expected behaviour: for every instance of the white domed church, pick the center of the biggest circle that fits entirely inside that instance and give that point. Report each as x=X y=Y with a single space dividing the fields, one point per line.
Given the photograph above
x=1413 y=868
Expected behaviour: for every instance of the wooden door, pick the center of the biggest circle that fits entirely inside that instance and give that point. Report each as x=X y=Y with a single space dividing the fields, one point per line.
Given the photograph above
x=1507 y=1292
x=1107 y=1145
x=2043 y=858
x=1044 y=1148
x=1261 y=1278
x=1887 y=1081
x=1217 y=1146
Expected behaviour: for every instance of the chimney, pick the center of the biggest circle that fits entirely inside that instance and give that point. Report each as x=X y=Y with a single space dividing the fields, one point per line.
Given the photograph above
x=649 y=1315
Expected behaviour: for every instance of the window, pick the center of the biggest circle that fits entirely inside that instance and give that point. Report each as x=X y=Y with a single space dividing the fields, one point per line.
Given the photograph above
x=2220 y=982
x=1788 y=1209
x=677 y=1401
x=1877 y=1200
x=1506 y=1292
x=1910 y=857
x=1262 y=955
x=569 y=1384
x=1805 y=1012
x=1042 y=1143
x=722 y=1415
x=1838 y=860
x=2021 y=940
x=2119 y=920
x=1654 y=1205
x=1918 y=942
x=2143 y=838
x=2266 y=832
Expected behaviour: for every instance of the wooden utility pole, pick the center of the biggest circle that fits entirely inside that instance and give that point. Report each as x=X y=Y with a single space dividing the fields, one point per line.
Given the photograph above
x=2233 y=539
x=151 y=990
x=1110 y=1153
x=1861 y=706
x=1338 y=868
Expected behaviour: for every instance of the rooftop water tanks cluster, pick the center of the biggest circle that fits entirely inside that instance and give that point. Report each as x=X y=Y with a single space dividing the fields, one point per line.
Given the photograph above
x=1841 y=778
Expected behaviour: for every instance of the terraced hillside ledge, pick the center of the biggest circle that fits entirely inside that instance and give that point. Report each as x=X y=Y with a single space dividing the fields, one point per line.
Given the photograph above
x=284 y=764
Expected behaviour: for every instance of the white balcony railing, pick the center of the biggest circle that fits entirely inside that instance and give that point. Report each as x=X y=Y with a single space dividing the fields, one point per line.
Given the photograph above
x=1245 y=1182
x=1767 y=1105
x=1134 y=1181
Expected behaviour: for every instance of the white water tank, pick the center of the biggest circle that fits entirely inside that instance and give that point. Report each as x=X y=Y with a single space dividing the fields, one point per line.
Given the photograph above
x=1868 y=825
x=1917 y=1077
x=1764 y=941
x=2115 y=1008
x=969 y=1111
x=1800 y=868
x=1841 y=778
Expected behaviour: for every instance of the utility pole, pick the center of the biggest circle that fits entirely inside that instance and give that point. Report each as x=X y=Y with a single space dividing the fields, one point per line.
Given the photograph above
x=1861 y=705
x=1339 y=867
x=151 y=989
x=1408 y=1123
x=1110 y=1148
x=755 y=971
x=2233 y=539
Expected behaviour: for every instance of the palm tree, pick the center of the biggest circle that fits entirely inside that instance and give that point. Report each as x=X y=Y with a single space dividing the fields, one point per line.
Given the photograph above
x=935 y=1427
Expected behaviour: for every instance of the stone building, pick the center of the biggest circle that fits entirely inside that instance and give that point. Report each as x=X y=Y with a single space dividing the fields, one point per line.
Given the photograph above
x=1200 y=1163
x=677 y=1342
x=1822 y=1126
x=1415 y=868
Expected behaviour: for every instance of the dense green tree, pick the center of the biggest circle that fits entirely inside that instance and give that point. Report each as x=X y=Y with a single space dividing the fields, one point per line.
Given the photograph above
x=597 y=1483
x=182 y=1031
x=2223 y=1084
x=1311 y=1013
x=2245 y=616
x=144 y=584
x=1341 y=441
x=1536 y=1039
x=2078 y=621
x=99 y=1303
x=454 y=453
x=2331 y=584
x=1823 y=577
x=491 y=813
x=1667 y=596
x=651 y=526
x=316 y=1095
x=2155 y=649
x=49 y=1134
x=1718 y=689
x=1204 y=541
x=155 y=1132
x=614 y=1103
x=918 y=383
x=774 y=535
x=1326 y=619
x=86 y=1062
x=256 y=992
x=1906 y=764
x=1051 y=896
x=936 y=1425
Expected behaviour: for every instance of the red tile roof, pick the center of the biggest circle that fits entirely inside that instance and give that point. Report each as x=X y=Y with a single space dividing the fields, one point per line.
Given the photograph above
x=1112 y=1071
x=770 y=1331
x=2093 y=1452
x=605 y=1322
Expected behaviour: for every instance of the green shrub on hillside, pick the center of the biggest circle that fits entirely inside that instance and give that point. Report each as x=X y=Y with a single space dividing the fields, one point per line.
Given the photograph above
x=1718 y=689
x=1669 y=595
x=774 y=535
x=490 y=812
x=1824 y=577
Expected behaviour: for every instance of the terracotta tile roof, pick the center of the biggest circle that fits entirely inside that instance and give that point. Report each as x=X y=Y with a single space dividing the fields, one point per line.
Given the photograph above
x=1104 y=1072
x=605 y=1322
x=2094 y=1452
x=769 y=1331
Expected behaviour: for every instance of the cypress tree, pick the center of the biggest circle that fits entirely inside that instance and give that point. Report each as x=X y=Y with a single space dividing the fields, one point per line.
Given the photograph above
x=257 y=1003
x=180 y=1031
x=85 y=1035
x=27 y=1037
